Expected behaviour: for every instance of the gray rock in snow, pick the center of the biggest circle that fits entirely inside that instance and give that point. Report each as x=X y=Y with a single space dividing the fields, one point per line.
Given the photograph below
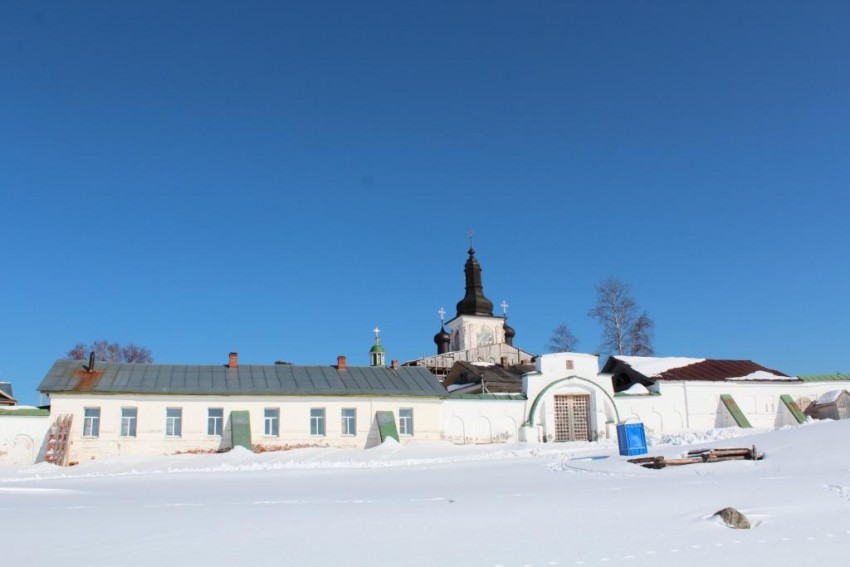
x=733 y=519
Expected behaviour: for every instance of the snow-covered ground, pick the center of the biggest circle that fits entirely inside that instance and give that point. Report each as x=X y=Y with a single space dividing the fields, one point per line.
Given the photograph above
x=438 y=504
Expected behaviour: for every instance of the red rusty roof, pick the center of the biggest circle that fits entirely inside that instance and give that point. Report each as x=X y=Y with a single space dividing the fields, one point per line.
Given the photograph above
x=716 y=370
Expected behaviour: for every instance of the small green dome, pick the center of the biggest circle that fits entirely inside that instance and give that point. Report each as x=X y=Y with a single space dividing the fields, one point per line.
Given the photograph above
x=377 y=348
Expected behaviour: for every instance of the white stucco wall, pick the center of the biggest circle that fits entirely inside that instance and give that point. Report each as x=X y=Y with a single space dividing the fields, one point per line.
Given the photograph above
x=565 y=373
x=22 y=439
x=696 y=406
x=681 y=406
x=468 y=421
x=294 y=427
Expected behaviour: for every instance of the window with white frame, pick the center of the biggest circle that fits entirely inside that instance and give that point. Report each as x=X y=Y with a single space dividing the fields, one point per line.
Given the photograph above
x=405 y=421
x=349 y=421
x=271 y=422
x=128 y=422
x=91 y=422
x=317 y=421
x=215 y=421
x=173 y=422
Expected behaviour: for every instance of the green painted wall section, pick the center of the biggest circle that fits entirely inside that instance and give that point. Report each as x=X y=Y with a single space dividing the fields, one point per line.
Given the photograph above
x=240 y=429
x=735 y=411
x=793 y=408
x=386 y=425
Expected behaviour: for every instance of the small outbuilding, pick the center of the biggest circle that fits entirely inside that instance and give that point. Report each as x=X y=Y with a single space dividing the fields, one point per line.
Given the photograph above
x=834 y=404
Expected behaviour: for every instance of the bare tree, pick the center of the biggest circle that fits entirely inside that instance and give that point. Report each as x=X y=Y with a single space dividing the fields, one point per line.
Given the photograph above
x=106 y=351
x=624 y=331
x=79 y=352
x=640 y=336
x=137 y=354
x=562 y=339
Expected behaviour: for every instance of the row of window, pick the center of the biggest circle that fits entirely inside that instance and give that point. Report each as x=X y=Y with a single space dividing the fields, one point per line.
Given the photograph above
x=215 y=422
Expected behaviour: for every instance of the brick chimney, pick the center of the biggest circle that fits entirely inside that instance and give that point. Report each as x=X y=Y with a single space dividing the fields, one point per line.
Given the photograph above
x=234 y=360
x=394 y=364
x=340 y=362
x=504 y=362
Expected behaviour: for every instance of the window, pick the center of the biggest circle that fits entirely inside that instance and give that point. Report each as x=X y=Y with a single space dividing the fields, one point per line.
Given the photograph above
x=317 y=421
x=173 y=422
x=91 y=422
x=405 y=421
x=128 y=422
x=215 y=421
x=271 y=422
x=349 y=421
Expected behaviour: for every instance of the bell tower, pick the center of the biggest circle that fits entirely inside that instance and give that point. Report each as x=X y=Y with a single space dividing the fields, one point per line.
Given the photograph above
x=474 y=324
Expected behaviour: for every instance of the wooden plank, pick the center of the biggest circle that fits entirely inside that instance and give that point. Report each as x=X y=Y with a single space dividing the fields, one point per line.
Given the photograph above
x=678 y=462
x=641 y=460
x=58 y=442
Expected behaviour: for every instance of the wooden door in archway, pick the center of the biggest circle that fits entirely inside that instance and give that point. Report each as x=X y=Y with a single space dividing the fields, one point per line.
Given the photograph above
x=572 y=417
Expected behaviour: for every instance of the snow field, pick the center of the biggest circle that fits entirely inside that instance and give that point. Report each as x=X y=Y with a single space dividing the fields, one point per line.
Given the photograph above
x=438 y=504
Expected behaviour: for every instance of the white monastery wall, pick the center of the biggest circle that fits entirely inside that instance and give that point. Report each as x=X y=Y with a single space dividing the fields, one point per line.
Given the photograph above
x=22 y=439
x=696 y=406
x=294 y=422
x=468 y=421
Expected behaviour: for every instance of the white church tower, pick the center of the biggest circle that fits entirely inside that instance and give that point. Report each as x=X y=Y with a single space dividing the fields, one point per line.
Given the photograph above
x=474 y=325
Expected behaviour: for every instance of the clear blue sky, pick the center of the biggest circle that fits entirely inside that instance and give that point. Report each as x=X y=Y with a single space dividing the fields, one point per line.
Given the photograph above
x=278 y=178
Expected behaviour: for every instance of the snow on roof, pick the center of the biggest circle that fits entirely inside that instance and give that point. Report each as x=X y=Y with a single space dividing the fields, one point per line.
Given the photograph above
x=636 y=389
x=829 y=397
x=651 y=366
x=482 y=363
x=762 y=375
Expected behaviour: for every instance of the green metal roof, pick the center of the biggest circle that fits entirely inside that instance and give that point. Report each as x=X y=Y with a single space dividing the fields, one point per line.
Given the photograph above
x=487 y=397
x=824 y=377
x=249 y=379
x=29 y=412
x=377 y=348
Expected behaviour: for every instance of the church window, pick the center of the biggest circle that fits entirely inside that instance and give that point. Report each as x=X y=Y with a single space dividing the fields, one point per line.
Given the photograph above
x=215 y=421
x=91 y=422
x=349 y=421
x=317 y=421
x=128 y=422
x=405 y=421
x=173 y=422
x=271 y=422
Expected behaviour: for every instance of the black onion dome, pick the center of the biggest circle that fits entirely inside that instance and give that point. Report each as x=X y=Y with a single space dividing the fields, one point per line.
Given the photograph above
x=509 y=334
x=474 y=302
x=442 y=337
x=442 y=340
